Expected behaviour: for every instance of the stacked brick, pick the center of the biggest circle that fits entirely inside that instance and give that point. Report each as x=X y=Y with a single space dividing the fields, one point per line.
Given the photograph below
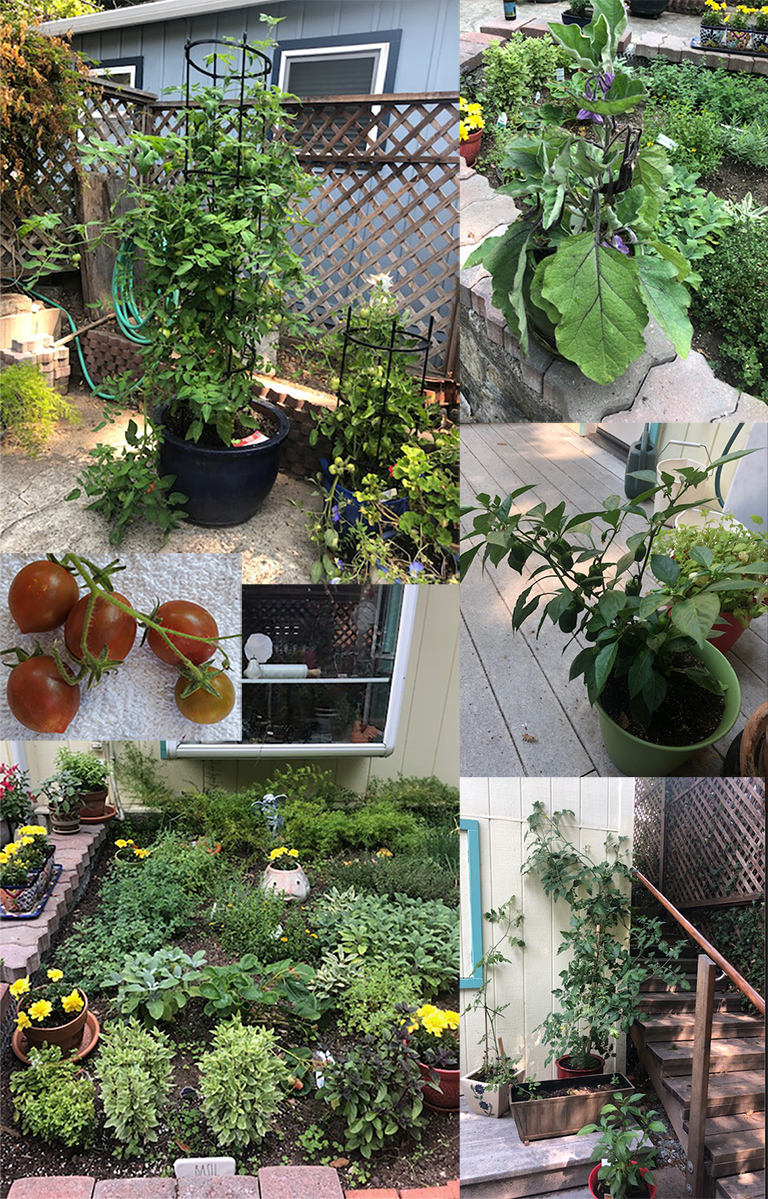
x=39 y=350
x=297 y=456
x=107 y=354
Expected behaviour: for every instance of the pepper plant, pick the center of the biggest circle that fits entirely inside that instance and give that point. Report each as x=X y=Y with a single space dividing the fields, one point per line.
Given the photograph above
x=710 y=553
x=625 y=1159
x=591 y=594
x=584 y=262
x=599 y=996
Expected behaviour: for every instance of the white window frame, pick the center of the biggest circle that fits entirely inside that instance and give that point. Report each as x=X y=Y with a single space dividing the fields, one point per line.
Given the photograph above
x=335 y=749
x=339 y=52
x=111 y=72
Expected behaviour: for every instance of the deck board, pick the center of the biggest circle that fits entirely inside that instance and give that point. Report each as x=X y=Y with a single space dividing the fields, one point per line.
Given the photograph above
x=515 y=685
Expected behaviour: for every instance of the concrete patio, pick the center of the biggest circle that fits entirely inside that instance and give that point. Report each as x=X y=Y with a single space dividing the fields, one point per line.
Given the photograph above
x=520 y=715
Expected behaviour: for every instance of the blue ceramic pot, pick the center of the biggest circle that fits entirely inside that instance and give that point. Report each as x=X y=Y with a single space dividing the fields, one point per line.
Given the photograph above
x=349 y=509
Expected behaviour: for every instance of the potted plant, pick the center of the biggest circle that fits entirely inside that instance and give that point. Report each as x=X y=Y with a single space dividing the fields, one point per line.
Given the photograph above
x=434 y=1033
x=738 y=34
x=52 y=1014
x=211 y=225
x=284 y=874
x=128 y=853
x=583 y=268
x=625 y=1165
x=640 y=651
x=92 y=774
x=487 y=1088
x=706 y=554
x=16 y=798
x=26 y=867
x=760 y=31
x=559 y=1107
x=578 y=12
x=712 y=27
x=648 y=8
x=599 y=997
x=62 y=791
x=471 y=125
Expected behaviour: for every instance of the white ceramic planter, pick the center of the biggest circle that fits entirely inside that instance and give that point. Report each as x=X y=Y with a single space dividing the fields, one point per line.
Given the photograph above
x=704 y=493
x=701 y=517
x=486 y=1099
x=293 y=884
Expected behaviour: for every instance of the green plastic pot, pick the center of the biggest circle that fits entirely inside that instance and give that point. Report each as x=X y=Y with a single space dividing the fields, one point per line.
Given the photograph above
x=635 y=757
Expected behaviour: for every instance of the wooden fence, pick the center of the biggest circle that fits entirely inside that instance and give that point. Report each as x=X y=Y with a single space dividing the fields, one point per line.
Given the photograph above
x=386 y=199
x=701 y=841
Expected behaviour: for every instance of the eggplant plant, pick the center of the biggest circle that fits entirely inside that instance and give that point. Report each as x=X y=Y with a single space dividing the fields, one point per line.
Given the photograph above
x=583 y=266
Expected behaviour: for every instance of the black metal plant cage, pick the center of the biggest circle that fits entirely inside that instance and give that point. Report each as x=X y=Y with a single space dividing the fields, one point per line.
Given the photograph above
x=402 y=341
x=215 y=67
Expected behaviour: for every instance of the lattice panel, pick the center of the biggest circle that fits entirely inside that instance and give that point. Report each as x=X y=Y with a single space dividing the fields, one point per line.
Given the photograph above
x=715 y=839
x=333 y=629
x=647 y=835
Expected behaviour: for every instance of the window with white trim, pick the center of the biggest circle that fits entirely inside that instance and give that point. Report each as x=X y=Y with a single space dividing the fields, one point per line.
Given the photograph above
x=335 y=70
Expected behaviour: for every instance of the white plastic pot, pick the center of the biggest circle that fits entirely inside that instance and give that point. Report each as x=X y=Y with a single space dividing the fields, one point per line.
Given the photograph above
x=705 y=492
x=701 y=517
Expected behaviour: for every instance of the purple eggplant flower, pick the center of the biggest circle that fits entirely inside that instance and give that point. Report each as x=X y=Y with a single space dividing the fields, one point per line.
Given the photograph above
x=590 y=93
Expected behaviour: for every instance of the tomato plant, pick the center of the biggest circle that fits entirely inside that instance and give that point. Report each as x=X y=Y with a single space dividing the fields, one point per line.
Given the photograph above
x=202 y=707
x=39 y=697
x=183 y=617
x=109 y=628
x=41 y=596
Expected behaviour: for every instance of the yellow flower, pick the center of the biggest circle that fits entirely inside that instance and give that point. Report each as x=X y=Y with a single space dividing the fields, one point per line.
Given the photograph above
x=141 y=853
x=293 y=853
x=121 y=844
x=33 y=830
x=11 y=849
x=283 y=938
x=23 y=1021
x=41 y=1009
x=3 y=859
x=383 y=853
x=72 y=1002
x=20 y=987
x=55 y=975
x=27 y=840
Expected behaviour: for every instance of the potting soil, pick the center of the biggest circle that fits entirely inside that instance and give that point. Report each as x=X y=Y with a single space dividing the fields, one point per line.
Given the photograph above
x=688 y=715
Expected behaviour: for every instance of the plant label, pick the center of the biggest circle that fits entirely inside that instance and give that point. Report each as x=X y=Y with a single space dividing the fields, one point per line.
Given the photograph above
x=560 y=74
x=203 y=1167
x=666 y=142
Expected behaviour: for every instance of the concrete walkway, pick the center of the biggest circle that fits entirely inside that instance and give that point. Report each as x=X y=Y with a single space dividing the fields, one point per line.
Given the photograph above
x=274 y=542
x=475 y=13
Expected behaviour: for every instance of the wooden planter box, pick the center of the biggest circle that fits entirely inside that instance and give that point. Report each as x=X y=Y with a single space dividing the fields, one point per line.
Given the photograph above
x=537 y=1119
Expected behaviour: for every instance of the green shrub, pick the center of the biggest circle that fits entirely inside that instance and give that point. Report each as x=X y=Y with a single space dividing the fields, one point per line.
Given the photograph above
x=429 y=797
x=243 y=1082
x=264 y=924
x=134 y=1072
x=52 y=1101
x=370 y=1001
x=515 y=69
x=691 y=219
x=698 y=136
x=731 y=301
x=157 y=985
x=742 y=930
x=748 y=144
x=418 y=938
x=30 y=408
x=317 y=832
x=282 y=987
x=91 y=770
x=376 y=1089
x=730 y=97
x=404 y=874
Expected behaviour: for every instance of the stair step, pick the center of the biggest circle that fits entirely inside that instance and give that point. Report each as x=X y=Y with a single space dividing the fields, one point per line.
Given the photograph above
x=728 y=1093
x=658 y=984
x=736 y=1152
x=656 y=1028
x=743 y=1186
x=671 y=1002
x=727 y=1054
x=719 y=1125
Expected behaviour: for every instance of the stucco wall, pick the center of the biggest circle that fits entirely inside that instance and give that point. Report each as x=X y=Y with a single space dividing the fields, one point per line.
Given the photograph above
x=501 y=806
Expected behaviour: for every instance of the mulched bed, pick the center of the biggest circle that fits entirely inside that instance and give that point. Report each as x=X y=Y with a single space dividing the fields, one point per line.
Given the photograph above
x=183 y=1131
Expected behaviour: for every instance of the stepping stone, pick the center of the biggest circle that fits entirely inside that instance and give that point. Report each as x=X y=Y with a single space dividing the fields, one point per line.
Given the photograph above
x=135 y=1188
x=233 y=1187
x=299 y=1182
x=68 y=1186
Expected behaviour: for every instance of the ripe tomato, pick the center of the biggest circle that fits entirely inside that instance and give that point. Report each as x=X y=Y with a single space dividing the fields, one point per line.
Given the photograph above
x=41 y=597
x=203 y=708
x=183 y=617
x=39 y=698
x=109 y=627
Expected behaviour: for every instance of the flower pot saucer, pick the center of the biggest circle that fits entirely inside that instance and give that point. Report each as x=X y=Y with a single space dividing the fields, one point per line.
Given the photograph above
x=88 y=1042
x=108 y=814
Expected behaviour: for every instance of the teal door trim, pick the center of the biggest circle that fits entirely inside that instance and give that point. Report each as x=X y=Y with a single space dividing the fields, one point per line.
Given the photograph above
x=475 y=980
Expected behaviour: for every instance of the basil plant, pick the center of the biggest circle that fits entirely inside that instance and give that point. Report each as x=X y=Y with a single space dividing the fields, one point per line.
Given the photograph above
x=582 y=265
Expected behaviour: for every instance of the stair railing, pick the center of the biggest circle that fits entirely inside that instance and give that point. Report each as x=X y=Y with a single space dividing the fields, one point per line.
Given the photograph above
x=702 y=1034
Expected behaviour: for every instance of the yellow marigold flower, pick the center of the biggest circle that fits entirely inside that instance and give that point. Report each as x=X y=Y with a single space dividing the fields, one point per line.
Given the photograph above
x=41 y=1009
x=33 y=830
x=383 y=853
x=293 y=853
x=3 y=859
x=55 y=975
x=23 y=1021
x=141 y=853
x=27 y=840
x=20 y=987
x=283 y=938
x=11 y=849
x=121 y=844
x=72 y=1002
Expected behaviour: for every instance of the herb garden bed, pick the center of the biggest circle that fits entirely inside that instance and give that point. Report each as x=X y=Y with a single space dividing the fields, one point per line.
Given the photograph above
x=204 y=900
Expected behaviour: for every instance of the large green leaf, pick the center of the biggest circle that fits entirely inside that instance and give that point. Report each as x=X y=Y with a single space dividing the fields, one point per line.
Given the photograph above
x=667 y=299
x=481 y=252
x=538 y=299
x=653 y=172
x=616 y=18
x=603 y=315
x=695 y=616
x=506 y=260
x=673 y=255
x=624 y=94
x=579 y=44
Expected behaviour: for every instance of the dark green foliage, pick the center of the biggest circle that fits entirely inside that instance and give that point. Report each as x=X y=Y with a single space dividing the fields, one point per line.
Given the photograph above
x=317 y=832
x=240 y=987
x=739 y=933
x=262 y=923
x=731 y=301
x=405 y=874
x=731 y=98
x=699 y=139
x=369 y=1003
x=429 y=797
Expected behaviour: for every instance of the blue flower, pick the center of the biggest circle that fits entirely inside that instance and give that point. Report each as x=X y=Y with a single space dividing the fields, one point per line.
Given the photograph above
x=415 y=568
x=335 y=514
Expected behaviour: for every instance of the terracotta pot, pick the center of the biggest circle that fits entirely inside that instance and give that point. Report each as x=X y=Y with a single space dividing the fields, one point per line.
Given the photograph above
x=447 y=1098
x=92 y=803
x=470 y=148
x=66 y=1036
x=593 y=1183
x=729 y=628
x=564 y=1071
x=65 y=824
x=293 y=884
x=486 y=1098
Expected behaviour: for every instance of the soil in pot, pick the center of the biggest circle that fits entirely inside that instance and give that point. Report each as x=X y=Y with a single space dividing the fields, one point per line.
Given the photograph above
x=565 y=1069
x=178 y=423
x=688 y=715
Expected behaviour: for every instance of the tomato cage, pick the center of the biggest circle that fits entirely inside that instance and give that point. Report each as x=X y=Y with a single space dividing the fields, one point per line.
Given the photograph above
x=404 y=347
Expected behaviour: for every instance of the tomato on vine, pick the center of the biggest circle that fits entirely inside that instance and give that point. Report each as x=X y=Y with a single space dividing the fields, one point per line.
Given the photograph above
x=109 y=628
x=183 y=617
x=201 y=706
x=41 y=596
x=39 y=697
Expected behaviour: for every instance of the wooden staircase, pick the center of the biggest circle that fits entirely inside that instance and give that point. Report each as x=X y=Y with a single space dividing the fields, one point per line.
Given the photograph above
x=734 y=1137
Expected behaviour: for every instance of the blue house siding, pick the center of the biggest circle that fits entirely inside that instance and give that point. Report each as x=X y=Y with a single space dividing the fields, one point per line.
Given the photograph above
x=427 y=59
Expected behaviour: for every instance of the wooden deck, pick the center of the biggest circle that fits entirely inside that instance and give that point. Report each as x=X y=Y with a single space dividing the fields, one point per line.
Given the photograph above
x=513 y=685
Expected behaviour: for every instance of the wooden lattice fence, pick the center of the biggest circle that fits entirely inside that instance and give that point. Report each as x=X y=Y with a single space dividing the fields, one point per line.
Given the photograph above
x=386 y=200
x=701 y=842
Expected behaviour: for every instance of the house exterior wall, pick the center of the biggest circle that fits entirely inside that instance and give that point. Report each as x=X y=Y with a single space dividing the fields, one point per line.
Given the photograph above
x=500 y=806
x=428 y=737
x=427 y=62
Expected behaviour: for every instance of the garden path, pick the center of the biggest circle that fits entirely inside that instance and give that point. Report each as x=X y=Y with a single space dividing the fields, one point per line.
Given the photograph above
x=274 y=543
x=474 y=13
x=515 y=687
